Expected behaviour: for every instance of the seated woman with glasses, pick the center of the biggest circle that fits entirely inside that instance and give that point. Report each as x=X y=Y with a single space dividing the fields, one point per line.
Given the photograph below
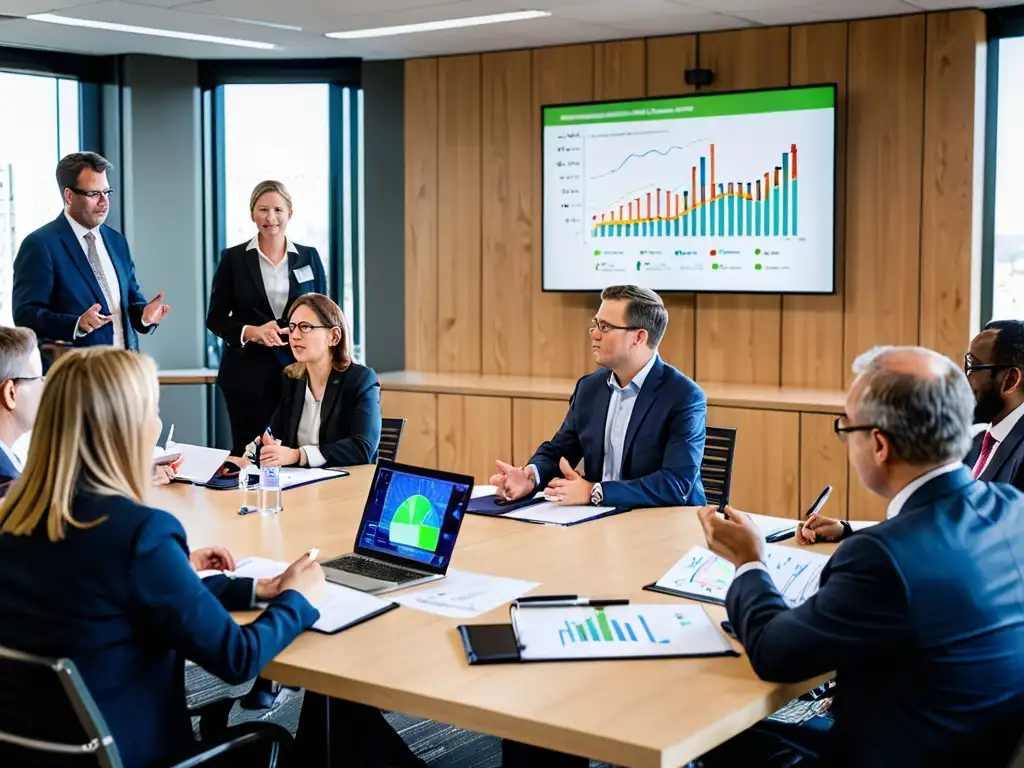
x=329 y=414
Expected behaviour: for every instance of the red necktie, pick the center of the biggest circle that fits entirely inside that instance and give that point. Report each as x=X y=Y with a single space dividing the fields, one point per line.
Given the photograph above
x=987 y=444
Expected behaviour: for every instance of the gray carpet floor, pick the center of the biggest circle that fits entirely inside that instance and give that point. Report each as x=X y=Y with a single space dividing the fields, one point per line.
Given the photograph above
x=440 y=744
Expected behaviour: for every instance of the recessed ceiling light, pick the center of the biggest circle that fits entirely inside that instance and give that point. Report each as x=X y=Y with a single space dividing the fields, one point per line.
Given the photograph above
x=433 y=26
x=69 y=21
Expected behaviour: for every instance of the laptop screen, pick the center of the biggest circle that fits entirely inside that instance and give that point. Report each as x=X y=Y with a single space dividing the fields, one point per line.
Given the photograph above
x=413 y=516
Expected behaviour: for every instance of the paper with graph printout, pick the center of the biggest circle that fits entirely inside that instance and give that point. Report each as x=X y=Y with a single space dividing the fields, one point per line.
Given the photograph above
x=339 y=606
x=617 y=632
x=703 y=575
x=463 y=595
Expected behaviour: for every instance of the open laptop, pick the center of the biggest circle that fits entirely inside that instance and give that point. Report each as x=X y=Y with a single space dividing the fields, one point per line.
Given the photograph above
x=408 y=530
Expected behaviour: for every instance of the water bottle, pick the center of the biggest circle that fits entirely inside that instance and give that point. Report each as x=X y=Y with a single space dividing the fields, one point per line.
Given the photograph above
x=270 y=490
x=247 y=487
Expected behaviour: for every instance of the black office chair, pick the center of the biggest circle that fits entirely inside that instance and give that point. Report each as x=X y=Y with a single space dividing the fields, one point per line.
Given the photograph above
x=716 y=466
x=1017 y=761
x=48 y=719
x=390 y=437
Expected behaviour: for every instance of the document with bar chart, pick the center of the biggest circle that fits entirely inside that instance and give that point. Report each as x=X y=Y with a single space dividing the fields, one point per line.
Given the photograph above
x=617 y=632
x=729 y=192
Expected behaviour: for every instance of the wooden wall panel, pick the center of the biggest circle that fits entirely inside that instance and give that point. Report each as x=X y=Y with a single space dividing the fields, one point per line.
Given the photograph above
x=509 y=250
x=533 y=422
x=419 y=437
x=767 y=464
x=883 y=210
x=812 y=326
x=421 y=214
x=620 y=70
x=560 y=345
x=952 y=166
x=822 y=462
x=667 y=60
x=472 y=432
x=458 y=209
x=739 y=337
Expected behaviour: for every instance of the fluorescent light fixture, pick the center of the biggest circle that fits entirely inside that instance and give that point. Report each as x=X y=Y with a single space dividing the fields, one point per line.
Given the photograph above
x=434 y=26
x=69 y=21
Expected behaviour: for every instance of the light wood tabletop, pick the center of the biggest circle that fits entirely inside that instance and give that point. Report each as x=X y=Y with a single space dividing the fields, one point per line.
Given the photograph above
x=649 y=714
x=187 y=376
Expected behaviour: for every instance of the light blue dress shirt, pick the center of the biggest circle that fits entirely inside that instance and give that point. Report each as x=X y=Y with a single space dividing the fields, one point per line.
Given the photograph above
x=620 y=409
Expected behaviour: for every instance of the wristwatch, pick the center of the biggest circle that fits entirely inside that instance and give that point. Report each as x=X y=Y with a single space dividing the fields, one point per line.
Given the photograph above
x=596 y=494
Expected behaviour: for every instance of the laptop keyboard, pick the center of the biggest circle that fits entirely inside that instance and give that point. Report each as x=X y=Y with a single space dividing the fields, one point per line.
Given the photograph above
x=373 y=569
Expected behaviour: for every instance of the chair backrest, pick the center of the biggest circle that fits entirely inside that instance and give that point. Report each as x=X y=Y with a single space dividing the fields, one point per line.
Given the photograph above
x=390 y=437
x=716 y=466
x=1017 y=761
x=48 y=719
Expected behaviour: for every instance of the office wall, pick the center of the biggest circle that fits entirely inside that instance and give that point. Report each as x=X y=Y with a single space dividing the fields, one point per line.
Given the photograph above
x=907 y=197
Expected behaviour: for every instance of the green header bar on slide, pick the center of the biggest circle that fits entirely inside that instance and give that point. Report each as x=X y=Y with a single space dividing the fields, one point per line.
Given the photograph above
x=704 y=105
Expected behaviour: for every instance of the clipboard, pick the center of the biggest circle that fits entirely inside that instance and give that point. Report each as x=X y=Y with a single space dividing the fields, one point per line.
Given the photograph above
x=491 y=506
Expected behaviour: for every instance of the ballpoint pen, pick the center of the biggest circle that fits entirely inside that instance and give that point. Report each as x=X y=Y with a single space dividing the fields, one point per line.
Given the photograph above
x=313 y=553
x=581 y=601
x=170 y=439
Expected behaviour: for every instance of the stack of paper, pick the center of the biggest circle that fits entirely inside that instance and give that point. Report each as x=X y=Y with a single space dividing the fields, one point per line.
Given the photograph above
x=463 y=595
x=292 y=477
x=772 y=526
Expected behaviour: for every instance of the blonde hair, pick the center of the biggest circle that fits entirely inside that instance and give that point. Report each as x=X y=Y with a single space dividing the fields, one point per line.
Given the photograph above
x=87 y=437
x=330 y=314
x=269 y=186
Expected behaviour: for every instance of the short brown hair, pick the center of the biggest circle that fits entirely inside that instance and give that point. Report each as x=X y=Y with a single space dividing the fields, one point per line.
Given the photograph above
x=645 y=310
x=330 y=314
x=269 y=186
x=71 y=166
x=16 y=345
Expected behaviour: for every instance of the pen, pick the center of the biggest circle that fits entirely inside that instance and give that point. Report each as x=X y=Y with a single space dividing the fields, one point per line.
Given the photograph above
x=170 y=439
x=780 y=536
x=313 y=553
x=573 y=603
x=546 y=598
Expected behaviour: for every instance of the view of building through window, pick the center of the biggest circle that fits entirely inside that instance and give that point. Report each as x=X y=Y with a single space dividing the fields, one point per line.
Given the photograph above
x=1008 y=267
x=46 y=129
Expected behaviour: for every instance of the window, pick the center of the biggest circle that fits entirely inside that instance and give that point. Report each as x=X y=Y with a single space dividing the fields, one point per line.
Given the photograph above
x=47 y=128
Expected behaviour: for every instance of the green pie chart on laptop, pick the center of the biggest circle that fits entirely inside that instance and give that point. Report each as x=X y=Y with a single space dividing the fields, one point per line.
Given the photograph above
x=412 y=524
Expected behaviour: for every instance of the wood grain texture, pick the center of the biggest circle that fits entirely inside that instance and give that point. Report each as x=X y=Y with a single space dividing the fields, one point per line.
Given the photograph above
x=533 y=422
x=667 y=60
x=822 y=462
x=419 y=437
x=458 y=208
x=884 y=144
x=812 y=326
x=559 y=321
x=767 y=463
x=950 y=243
x=739 y=338
x=472 y=432
x=420 y=112
x=620 y=70
x=509 y=252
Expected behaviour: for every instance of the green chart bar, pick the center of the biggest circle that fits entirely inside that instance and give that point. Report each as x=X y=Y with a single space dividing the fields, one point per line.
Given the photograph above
x=593 y=629
x=711 y=213
x=583 y=635
x=775 y=211
x=602 y=621
x=739 y=210
x=721 y=209
x=795 y=231
x=785 y=194
x=759 y=207
x=750 y=213
x=732 y=215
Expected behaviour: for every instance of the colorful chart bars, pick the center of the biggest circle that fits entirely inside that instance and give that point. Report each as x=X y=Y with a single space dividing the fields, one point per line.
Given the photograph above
x=766 y=207
x=598 y=629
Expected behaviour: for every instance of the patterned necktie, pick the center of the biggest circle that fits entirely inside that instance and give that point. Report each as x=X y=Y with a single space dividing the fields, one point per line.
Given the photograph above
x=987 y=444
x=97 y=269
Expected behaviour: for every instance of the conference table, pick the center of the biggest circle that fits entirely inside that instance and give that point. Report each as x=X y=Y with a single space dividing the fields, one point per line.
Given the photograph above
x=648 y=714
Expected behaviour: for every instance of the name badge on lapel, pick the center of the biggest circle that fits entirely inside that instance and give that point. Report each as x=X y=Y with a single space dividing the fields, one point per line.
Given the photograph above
x=303 y=274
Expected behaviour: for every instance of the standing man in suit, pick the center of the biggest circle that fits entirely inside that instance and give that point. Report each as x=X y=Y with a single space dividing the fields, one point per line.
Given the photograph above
x=638 y=424
x=995 y=369
x=74 y=278
x=21 y=386
x=921 y=616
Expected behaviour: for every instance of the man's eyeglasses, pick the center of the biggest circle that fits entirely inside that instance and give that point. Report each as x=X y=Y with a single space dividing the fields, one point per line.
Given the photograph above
x=603 y=327
x=19 y=379
x=970 y=366
x=92 y=194
x=842 y=429
x=306 y=327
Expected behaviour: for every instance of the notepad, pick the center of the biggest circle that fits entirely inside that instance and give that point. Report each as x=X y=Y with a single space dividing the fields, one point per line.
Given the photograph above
x=702 y=575
x=772 y=526
x=340 y=607
x=549 y=513
x=198 y=463
x=293 y=477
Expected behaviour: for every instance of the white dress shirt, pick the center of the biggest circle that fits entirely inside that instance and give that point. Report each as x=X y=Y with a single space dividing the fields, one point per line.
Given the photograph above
x=113 y=302
x=275 y=277
x=1001 y=431
x=308 y=436
x=11 y=456
x=896 y=504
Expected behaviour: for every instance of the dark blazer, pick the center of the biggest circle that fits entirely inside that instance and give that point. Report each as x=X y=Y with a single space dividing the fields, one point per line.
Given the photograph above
x=664 y=440
x=54 y=286
x=349 y=416
x=922 y=617
x=122 y=601
x=8 y=472
x=238 y=298
x=1007 y=463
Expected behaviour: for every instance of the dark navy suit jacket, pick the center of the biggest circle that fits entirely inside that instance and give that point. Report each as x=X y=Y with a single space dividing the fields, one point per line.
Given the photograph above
x=664 y=440
x=54 y=286
x=1007 y=463
x=922 y=617
x=122 y=601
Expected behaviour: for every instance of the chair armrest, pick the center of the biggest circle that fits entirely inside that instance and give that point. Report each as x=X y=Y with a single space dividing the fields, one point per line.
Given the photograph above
x=273 y=735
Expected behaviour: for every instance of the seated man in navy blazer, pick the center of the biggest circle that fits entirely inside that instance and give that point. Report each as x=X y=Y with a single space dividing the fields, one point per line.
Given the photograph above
x=638 y=424
x=21 y=385
x=921 y=616
x=74 y=279
x=995 y=371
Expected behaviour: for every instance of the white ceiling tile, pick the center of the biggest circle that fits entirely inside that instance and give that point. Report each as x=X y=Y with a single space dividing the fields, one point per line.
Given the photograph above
x=700 y=22
x=613 y=11
x=25 y=7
